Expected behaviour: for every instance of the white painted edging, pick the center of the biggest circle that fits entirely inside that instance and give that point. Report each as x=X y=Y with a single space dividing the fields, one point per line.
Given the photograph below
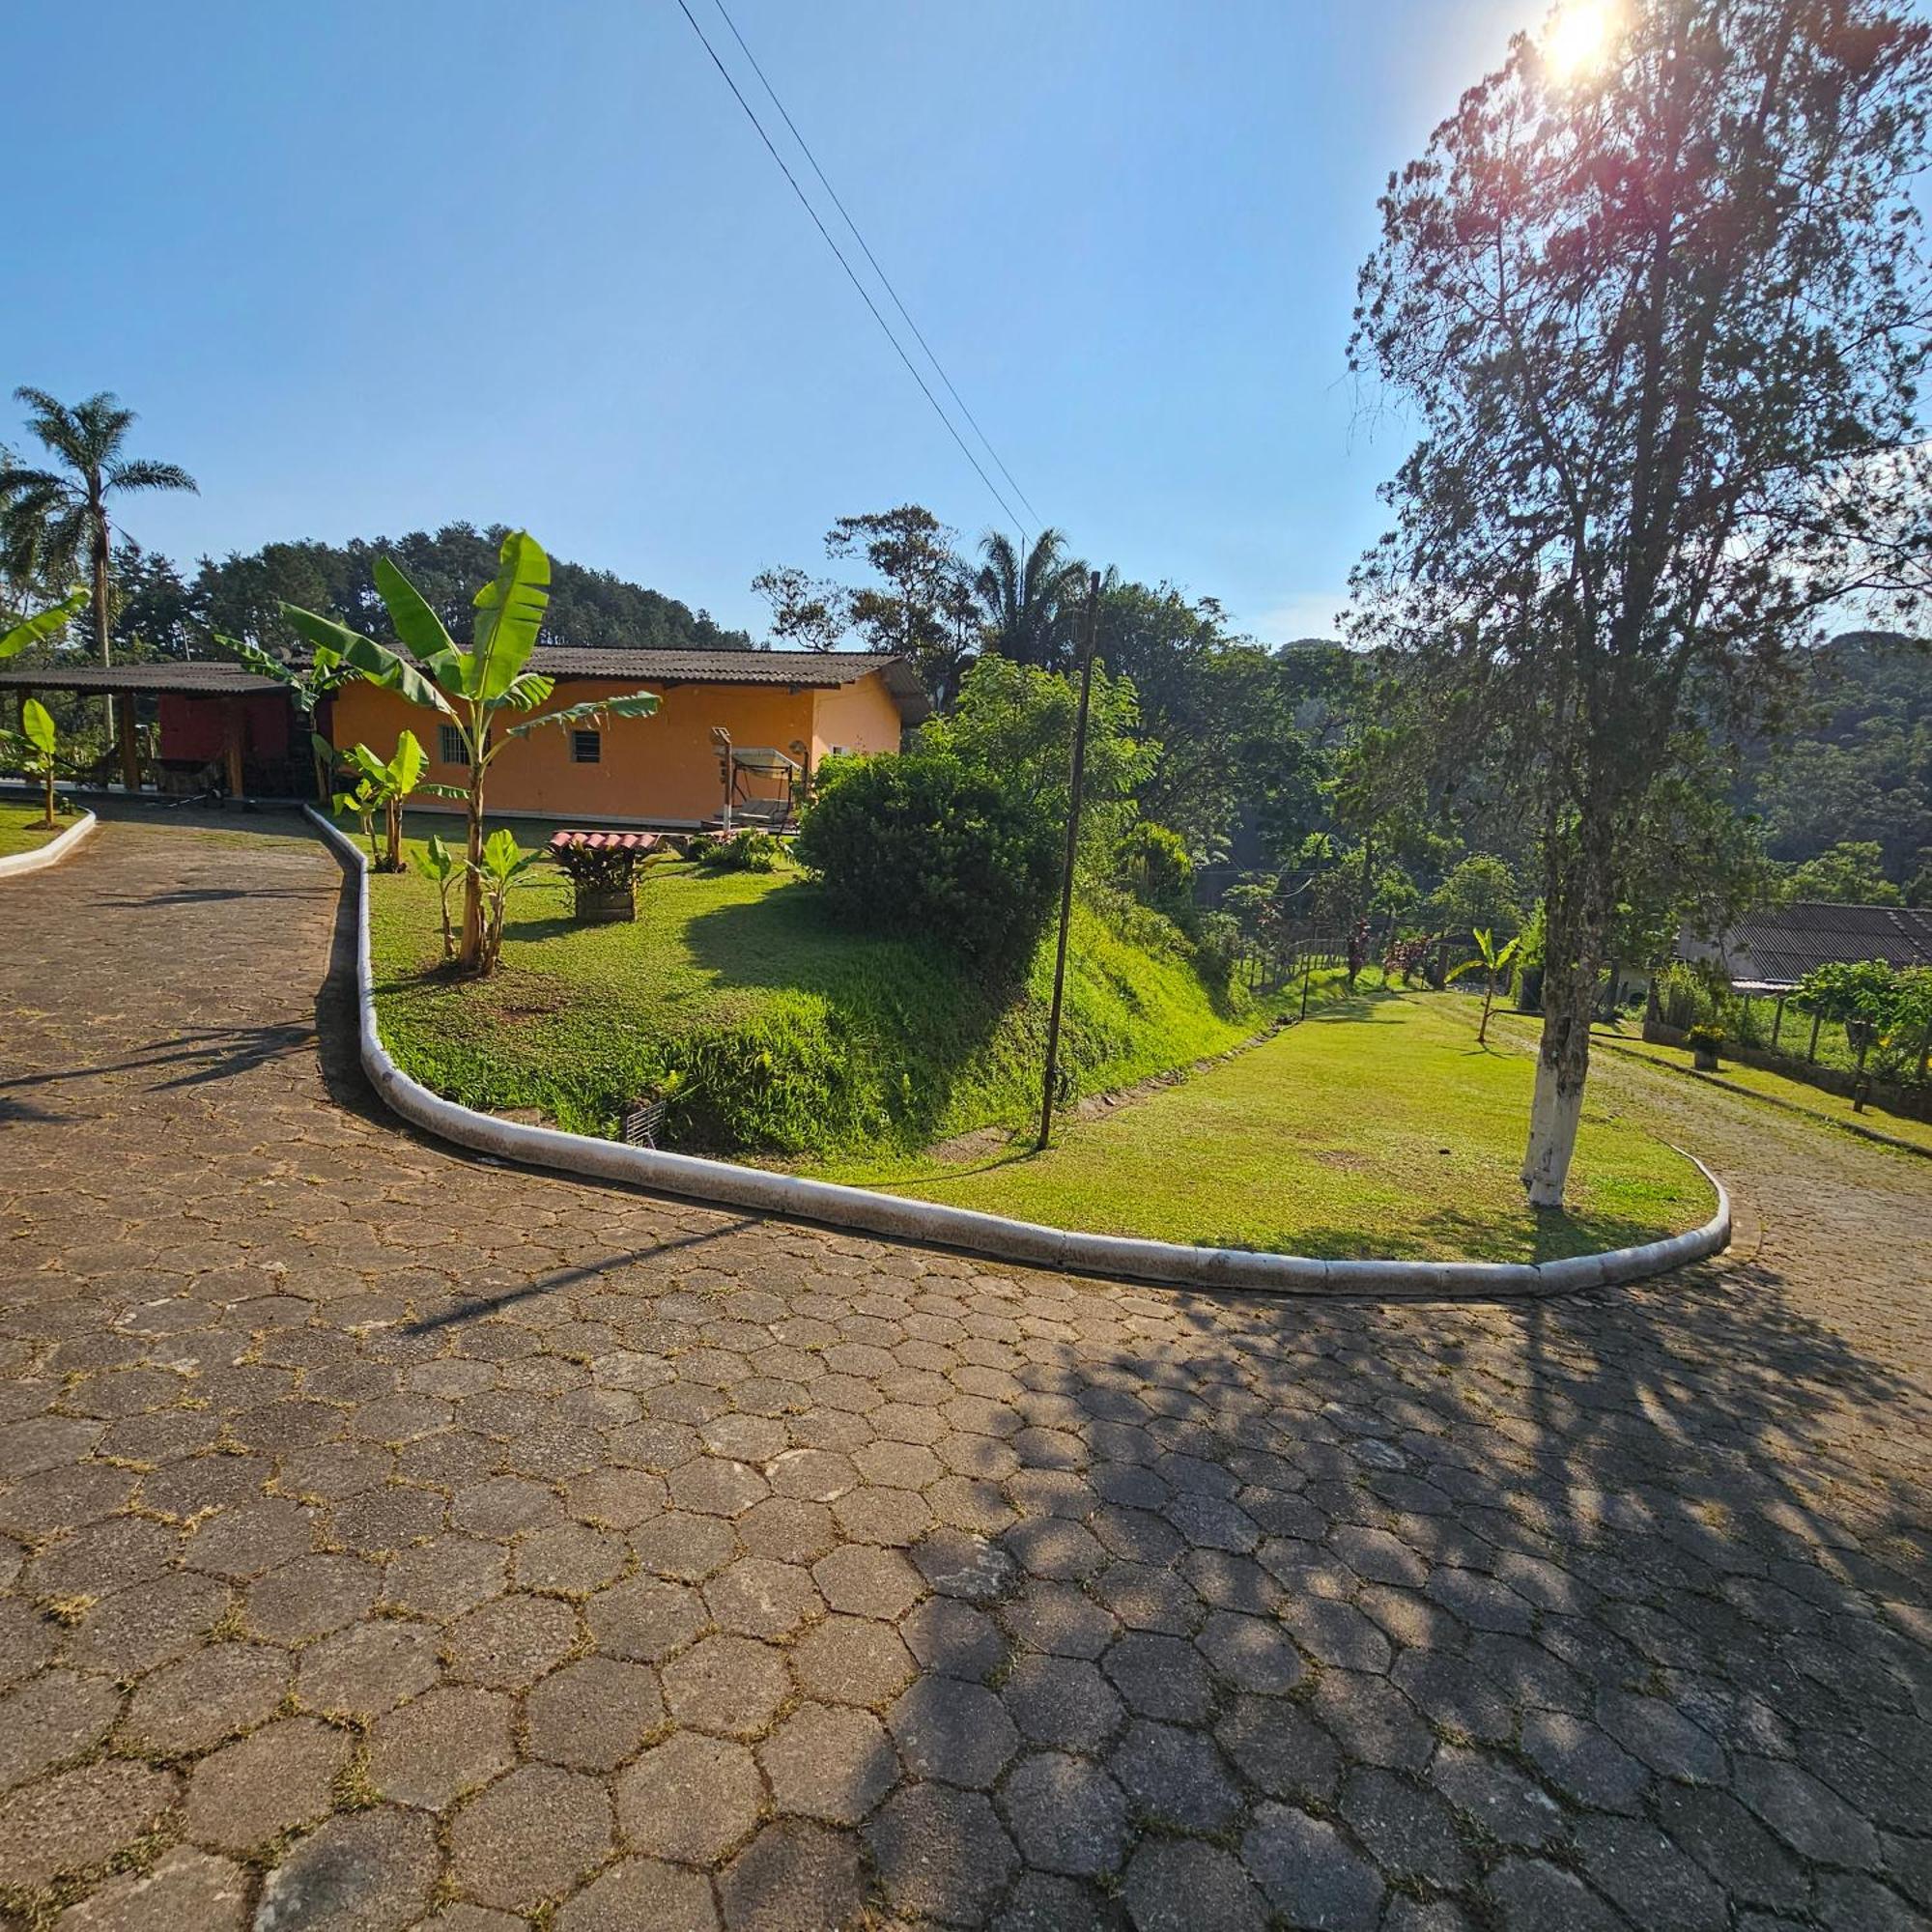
x=1168 y=1263
x=52 y=852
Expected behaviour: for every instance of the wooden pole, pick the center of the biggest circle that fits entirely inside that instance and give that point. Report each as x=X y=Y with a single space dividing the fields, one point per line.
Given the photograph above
x=1079 y=774
x=131 y=758
x=231 y=734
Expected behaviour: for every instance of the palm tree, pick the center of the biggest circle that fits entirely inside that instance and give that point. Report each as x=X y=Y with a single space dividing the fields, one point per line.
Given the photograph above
x=55 y=521
x=1032 y=604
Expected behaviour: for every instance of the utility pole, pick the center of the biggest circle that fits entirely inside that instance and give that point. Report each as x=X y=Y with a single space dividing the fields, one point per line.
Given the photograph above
x=1072 y=852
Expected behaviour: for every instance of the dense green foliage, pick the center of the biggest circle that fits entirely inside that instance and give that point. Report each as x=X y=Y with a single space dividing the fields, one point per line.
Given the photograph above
x=747 y=851
x=1850 y=872
x=159 y=612
x=1853 y=763
x=791 y=1035
x=588 y=608
x=922 y=844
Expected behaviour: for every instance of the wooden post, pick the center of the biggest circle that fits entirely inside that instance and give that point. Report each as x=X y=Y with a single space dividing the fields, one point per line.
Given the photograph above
x=231 y=735
x=131 y=758
x=1051 y=1076
x=1777 y=1020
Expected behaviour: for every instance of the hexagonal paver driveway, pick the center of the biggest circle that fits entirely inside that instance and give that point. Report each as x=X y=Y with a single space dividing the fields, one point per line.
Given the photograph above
x=388 y=1540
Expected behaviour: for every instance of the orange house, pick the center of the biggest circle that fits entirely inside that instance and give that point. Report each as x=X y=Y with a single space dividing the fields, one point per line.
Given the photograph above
x=664 y=770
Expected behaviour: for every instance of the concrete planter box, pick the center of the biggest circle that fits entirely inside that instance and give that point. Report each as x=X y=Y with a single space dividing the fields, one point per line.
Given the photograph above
x=606 y=905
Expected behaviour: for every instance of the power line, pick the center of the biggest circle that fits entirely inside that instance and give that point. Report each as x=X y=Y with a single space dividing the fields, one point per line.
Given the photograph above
x=865 y=293
x=846 y=214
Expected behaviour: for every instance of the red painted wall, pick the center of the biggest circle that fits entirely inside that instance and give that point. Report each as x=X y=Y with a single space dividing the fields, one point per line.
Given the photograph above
x=191 y=728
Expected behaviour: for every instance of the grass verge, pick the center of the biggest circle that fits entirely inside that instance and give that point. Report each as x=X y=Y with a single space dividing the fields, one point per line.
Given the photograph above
x=1377 y=1127
x=1799 y=1094
x=798 y=1039
x=21 y=830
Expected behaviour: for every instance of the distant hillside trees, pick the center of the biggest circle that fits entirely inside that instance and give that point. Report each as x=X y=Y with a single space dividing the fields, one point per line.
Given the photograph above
x=1853 y=766
x=589 y=610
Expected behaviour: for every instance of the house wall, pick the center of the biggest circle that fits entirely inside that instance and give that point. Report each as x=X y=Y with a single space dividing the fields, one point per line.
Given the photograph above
x=192 y=727
x=859 y=717
x=660 y=769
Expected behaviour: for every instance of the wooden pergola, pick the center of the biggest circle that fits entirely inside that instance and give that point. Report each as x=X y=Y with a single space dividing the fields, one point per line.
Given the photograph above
x=229 y=684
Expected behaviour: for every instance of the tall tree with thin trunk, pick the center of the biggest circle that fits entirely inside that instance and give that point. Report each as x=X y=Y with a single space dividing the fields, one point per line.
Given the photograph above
x=63 y=516
x=1662 y=317
x=1032 y=600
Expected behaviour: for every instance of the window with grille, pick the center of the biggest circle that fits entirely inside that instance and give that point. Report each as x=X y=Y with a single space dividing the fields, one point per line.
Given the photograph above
x=586 y=747
x=449 y=746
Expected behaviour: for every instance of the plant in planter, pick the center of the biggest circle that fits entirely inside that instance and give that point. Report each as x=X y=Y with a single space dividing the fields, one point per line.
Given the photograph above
x=1704 y=1042
x=602 y=868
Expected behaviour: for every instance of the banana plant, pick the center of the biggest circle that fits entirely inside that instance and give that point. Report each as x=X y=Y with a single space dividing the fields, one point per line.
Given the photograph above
x=444 y=870
x=35 y=750
x=46 y=624
x=384 y=787
x=499 y=864
x=1495 y=961
x=471 y=688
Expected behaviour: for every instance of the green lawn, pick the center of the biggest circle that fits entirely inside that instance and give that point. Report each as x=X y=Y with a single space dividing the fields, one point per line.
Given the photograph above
x=1377 y=1128
x=1833 y=1107
x=799 y=1038
x=21 y=827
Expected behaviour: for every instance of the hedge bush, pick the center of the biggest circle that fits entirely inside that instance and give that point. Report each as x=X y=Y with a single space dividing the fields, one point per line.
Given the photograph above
x=918 y=845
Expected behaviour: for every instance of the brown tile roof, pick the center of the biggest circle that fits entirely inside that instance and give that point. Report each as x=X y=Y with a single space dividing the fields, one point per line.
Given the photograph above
x=207 y=678
x=818 y=671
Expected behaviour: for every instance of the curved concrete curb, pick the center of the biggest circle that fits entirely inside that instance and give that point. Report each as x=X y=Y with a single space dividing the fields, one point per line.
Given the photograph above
x=1168 y=1263
x=52 y=852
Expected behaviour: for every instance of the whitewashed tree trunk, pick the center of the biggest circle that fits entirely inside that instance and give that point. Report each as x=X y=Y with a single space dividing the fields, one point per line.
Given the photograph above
x=1577 y=908
x=1553 y=1115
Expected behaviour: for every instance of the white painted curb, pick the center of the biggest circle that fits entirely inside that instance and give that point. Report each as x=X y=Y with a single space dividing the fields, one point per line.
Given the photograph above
x=1169 y=1262
x=52 y=852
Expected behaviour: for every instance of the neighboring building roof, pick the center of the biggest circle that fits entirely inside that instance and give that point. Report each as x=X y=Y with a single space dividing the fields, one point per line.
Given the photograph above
x=819 y=670
x=210 y=677
x=1773 y=950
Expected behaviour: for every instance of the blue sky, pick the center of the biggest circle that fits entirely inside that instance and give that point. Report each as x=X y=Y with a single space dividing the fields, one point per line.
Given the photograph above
x=366 y=268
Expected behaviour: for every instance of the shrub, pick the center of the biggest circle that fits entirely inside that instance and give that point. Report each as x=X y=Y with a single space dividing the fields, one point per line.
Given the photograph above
x=1219 y=943
x=1154 y=864
x=747 y=851
x=1704 y=1038
x=1013 y=725
x=917 y=844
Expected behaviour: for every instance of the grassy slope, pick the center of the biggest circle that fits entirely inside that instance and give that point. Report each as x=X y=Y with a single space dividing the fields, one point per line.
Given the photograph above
x=804 y=1039
x=1775 y=1086
x=21 y=829
x=1377 y=1128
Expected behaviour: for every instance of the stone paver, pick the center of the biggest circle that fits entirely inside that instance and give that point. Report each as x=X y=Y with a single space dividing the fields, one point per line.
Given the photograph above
x=388 y=1539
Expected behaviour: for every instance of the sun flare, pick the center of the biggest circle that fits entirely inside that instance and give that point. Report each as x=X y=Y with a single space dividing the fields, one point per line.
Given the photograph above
x=1576 y=37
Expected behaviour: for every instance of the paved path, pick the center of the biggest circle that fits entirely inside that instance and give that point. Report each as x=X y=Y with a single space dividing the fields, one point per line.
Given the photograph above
x=390 y=1539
